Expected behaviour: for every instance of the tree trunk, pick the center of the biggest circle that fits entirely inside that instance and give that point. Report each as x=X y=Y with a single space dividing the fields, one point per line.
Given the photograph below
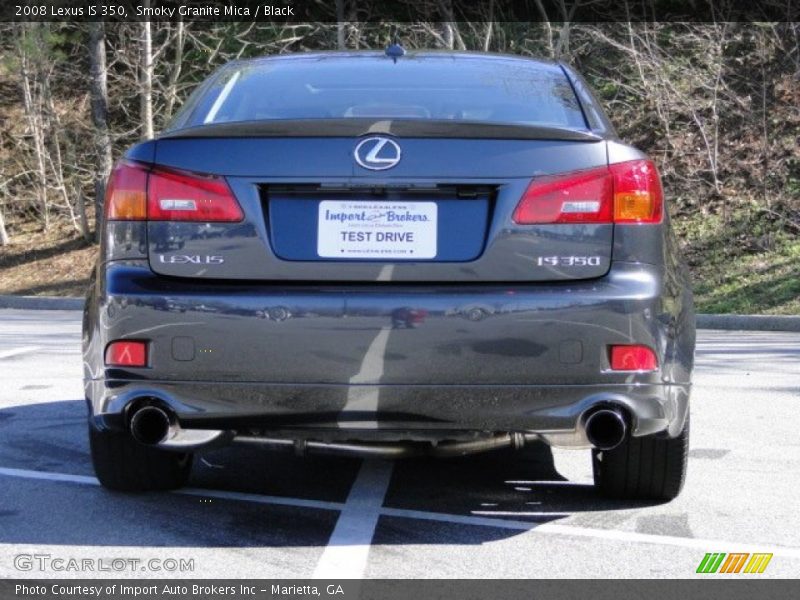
x=172 y=91
x=447 y=34
x=547 y=27
x=54 y=154
x=562 y=48
x=147 y=79
x=33 y=111
x=99 y=94
x=84 y=219
x=452 y=37
x=487 y=38
x=3 y=233
x=340 y=25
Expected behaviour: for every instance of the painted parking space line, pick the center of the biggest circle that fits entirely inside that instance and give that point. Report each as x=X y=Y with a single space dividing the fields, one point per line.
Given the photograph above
x=48 y=476
x=348 y=547
x=18 y=351
x=366 y=506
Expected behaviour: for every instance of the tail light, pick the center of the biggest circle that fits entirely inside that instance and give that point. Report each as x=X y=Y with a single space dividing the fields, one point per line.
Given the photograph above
x=126 y=353
x=638 y=197
x=581 y=197
x=176 y=196
x=628 y=192
x=633 y=358
x=126 y=193
x=136 y=193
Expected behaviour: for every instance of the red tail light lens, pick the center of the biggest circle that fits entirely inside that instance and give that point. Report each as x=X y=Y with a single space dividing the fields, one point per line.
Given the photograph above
x=136 y=192
x=580 y=197
x=633 y=358
x=126 y=353
x=178 y=196
x=628 y=192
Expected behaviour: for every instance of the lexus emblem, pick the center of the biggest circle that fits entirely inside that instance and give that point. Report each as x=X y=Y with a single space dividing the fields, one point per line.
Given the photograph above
x=377 y=153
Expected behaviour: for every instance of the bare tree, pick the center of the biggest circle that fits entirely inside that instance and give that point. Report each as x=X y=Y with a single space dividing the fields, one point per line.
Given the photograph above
x=340 y=25
x=4 y=239
x=547 y=27
x=102 y=139
x=177 y=65
x=55 y=160
x=487 y=39
x=146 y=95
x=30 y=45
x=452 y=36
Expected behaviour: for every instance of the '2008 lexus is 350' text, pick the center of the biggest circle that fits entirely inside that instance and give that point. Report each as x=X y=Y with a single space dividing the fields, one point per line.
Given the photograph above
x=389 y=254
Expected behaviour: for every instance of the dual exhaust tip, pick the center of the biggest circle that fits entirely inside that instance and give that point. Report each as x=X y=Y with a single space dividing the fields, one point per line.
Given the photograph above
x=606 y=428
x=152 y=425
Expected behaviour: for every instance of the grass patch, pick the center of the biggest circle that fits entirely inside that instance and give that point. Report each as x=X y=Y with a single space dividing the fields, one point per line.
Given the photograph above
x=747 y=264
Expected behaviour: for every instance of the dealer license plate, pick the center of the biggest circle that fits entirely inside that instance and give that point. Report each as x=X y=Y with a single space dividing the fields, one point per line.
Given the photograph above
x=386 y=230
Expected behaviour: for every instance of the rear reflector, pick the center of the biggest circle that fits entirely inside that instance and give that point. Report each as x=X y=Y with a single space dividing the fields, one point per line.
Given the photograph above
x=628 y=192
x=126 y=353
x=137 y=192
x=633 y=358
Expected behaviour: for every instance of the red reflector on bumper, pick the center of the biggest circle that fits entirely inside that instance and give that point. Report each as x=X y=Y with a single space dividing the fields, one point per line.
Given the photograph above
x=126 y=354
x=633 y=358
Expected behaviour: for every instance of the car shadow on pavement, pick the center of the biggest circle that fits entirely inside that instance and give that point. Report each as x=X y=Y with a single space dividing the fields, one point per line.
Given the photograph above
x=257 y=497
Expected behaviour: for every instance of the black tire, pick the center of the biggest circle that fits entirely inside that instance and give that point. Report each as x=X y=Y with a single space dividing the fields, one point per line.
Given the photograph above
x=645 y=468
x=123 y=464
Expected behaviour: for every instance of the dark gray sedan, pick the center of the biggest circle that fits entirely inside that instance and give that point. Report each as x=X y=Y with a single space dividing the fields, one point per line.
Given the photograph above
x=389 y=255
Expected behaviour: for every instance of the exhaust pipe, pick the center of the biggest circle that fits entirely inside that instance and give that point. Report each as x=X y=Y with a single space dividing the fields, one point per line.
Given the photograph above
x=151 y=425
x=395 y=450
x=606 y=428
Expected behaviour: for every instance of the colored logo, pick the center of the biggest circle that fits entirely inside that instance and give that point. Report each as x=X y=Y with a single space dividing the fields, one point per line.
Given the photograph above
x=735 y=562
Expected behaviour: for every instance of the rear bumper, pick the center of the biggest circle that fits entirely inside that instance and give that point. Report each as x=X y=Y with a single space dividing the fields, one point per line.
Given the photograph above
x=337 y=361
x=393 y=413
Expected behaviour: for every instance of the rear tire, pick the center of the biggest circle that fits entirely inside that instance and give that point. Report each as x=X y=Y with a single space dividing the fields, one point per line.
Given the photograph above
x=123 y=464
x=645 y=468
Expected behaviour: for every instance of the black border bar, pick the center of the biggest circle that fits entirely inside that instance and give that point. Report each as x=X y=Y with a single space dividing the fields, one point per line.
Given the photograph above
x=701 y=588
x=399 y=11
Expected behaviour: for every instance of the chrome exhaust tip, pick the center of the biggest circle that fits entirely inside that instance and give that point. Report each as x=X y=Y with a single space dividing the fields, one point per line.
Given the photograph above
x=151 y=425
x=606 y=428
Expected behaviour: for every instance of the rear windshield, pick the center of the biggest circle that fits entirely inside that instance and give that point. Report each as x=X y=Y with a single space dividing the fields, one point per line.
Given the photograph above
x=441 y=88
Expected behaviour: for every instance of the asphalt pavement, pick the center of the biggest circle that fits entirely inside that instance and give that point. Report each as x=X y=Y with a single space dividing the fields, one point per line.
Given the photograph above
x=254 y=513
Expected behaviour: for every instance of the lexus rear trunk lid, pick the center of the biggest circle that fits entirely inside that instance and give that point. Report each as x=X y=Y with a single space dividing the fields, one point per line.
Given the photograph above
x=443 y=213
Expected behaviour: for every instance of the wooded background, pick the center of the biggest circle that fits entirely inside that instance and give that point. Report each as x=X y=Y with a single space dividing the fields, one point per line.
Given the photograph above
x=716 y=105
